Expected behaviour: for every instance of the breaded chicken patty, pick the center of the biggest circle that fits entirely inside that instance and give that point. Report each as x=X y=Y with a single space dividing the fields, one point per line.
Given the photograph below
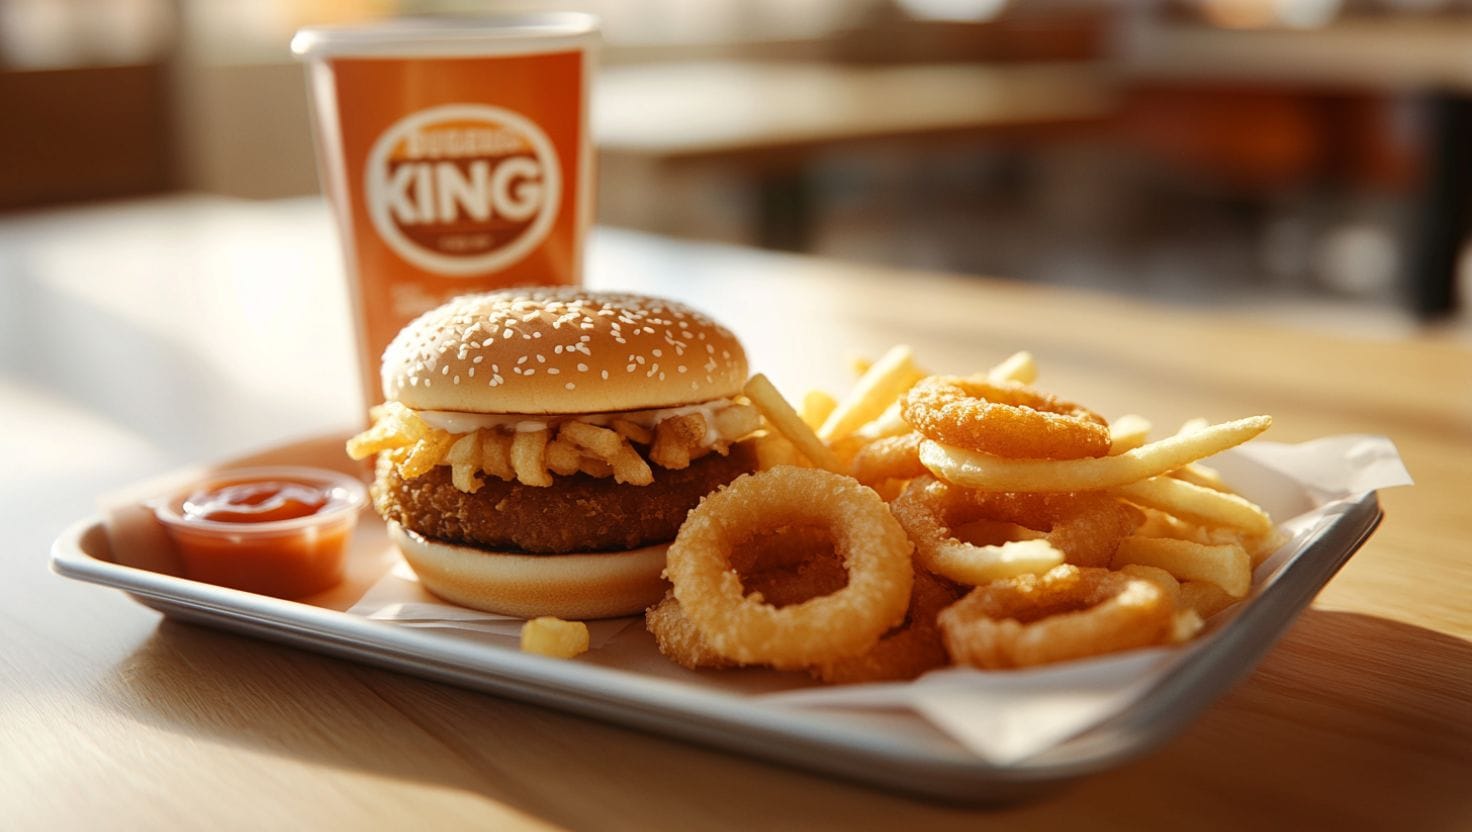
x=576 y=513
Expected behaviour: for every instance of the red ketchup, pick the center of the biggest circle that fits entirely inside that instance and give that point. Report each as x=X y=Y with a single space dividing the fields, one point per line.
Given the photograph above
x=274 y=531
x=259 y=501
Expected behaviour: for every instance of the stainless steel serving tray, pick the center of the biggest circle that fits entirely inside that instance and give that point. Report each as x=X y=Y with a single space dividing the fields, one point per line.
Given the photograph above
x=887 y=751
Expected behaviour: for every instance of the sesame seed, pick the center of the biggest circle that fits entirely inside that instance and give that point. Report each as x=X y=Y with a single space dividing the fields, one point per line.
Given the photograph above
x=570 y=386
x=582 y=368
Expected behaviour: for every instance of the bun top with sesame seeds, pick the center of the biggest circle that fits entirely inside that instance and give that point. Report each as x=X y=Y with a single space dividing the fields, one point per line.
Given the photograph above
x=559 y=350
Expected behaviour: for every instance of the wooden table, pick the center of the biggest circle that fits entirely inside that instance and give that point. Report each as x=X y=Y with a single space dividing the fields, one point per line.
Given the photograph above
x=658 y=122
x=140 y=336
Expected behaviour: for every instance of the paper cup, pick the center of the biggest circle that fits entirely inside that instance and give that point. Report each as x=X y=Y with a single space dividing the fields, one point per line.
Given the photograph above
x=456 y=156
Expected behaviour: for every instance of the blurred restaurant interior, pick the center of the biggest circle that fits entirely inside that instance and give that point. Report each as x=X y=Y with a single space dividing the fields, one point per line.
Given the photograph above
x=1306 y=160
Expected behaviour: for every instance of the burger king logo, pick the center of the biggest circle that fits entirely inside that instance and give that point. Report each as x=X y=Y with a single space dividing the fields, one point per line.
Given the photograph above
x=463 y=189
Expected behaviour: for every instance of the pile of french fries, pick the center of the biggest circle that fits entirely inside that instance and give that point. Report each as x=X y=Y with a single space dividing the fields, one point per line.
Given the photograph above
x=1195 y=528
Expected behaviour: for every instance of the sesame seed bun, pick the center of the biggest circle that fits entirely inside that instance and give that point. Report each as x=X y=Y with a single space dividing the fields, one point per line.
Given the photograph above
x=561 y=350
x=572 y=586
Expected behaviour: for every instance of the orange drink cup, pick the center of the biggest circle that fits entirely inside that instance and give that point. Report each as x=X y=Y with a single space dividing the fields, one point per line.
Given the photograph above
x=455 y=154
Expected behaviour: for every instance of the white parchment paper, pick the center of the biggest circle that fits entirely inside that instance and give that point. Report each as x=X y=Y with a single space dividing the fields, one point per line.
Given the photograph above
x=1003 y=716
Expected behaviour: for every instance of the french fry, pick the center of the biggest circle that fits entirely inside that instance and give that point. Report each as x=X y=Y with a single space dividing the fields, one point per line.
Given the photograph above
x=1020 y=368
x=1262 y=547
x=675 y=438
x=773 y=449
x=608 y=446
x=394 y=426
x=630 y=468
x=1128 y=433
x=992 y=473
x=735 y=422
x=464 y=459
x=1195 y=472
x=1155 y=575
x=426 y=453
x=562 y=457
x=980 y=565
x=595 y=467
x=817 y=406
x=1186 y=622
x=1197 y=504
x=786 y=422
x=883 y=383
x=601 y=443
x=887 y=424
x=1184 y=626
x=1206 y=598
x=528 y=452
x=1229 y=566
x=548 y=636
x=495 y=455
x=632 y=431
x=1200 y=475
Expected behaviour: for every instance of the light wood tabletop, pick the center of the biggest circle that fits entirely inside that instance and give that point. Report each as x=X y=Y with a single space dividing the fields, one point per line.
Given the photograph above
x=140 y=336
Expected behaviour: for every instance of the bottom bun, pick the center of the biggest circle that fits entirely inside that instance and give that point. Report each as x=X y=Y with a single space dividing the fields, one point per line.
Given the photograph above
x=574 y=586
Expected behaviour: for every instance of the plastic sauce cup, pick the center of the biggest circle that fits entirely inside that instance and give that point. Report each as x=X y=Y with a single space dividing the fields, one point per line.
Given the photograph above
x=456 y=156
x=299 y=555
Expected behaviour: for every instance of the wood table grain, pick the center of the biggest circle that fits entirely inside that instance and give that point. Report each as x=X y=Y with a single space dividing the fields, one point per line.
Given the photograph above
x=143 y=335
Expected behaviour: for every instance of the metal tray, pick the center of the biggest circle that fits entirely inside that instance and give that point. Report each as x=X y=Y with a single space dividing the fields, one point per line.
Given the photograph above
x=891 y=751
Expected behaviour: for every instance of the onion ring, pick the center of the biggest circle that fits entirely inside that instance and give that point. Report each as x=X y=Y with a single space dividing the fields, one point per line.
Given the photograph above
x=678 y=639
x=845 y=623
x=783 y=567
x=1083 y=529
x=904 y=652
x=1006 y=420
x=890 y=458
x=1067 y=613
x=789 y=566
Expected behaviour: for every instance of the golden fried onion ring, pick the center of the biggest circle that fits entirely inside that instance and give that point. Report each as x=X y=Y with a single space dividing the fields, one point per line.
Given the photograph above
x=677 y=638
x=1067 y=613
x=1083 y=529
x=1004 y=419
x=890 y=458
x=748 y=630
x=906 y=651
